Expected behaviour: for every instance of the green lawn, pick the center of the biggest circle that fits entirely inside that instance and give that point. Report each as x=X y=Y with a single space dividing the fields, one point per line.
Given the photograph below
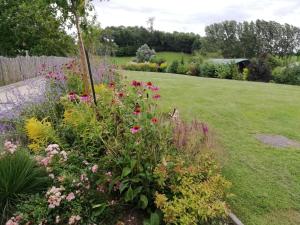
x=266 y=181
x=169 y=56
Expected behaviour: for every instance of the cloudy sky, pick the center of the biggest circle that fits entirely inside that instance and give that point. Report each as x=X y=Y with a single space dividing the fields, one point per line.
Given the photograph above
x=193 y=15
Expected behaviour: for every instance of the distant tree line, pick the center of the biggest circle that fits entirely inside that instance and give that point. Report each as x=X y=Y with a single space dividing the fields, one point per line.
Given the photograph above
x=252 y=39
x=128 y=39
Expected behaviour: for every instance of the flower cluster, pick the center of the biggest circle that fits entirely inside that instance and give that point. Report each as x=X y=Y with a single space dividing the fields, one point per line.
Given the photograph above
x=14 y=220
x=52 y=150
x=10 y=147
x=55 y=196
x=74 y=219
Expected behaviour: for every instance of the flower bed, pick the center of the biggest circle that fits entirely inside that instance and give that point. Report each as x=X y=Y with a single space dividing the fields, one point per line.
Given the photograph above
x=120 y=161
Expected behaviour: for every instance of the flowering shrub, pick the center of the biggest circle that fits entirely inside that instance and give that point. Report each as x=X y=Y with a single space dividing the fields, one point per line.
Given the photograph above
x=148 y=67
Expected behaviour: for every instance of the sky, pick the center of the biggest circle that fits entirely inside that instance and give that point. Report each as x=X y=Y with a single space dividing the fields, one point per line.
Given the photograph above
x=194 y=15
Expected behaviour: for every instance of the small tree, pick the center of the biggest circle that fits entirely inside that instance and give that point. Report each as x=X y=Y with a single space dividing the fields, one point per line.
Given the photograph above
x=144 y=53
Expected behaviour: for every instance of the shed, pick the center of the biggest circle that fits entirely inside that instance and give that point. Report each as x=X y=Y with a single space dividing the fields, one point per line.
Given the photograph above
x=240 y=62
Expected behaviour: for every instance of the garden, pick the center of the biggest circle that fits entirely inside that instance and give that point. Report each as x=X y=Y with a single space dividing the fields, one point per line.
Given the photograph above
x=115 y=158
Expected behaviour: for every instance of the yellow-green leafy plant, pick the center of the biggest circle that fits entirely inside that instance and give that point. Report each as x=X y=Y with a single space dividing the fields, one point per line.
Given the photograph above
x=191 y=194
x=40 y=133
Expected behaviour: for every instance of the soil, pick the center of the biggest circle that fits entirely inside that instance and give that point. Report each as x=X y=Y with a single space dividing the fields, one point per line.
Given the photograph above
x=278 y=141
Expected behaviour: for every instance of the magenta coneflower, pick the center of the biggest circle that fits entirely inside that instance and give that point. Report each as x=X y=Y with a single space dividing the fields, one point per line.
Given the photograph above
x=136 y=83
x=156 y=96
x=137 y=111
x=154 y=88
x=121 y=94
x=72 y=96
x=135 y=129
x=85 y=98
x=112 y=84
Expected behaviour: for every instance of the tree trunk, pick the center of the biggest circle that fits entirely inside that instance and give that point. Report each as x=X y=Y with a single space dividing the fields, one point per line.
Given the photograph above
x=83 y=60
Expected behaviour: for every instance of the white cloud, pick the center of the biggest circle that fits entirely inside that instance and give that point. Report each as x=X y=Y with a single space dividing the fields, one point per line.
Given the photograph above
x=194 y=15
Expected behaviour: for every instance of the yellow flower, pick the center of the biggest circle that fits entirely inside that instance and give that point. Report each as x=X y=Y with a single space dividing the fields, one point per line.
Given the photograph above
x=35 y=147
x=160 y=200
x=36 y=129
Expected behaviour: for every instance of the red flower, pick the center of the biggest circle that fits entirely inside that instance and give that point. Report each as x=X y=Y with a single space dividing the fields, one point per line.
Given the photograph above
x=156 y=96
x=135 y=129
x=149 y=84
x=136 y=83
x=154 y=120
x=121 y=94
x=112 y=84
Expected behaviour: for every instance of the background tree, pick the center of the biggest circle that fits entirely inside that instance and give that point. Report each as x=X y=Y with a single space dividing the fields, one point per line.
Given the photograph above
x=32 y=25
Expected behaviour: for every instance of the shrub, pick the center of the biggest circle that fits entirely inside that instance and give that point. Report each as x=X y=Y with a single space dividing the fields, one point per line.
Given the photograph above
x=208 y=70
x=224 y=71
x=173 y=67
x=20 y=176
x=287 y=75
x=157 y=60
x=149 y=67
x=163 y=67
x=182 y=69
x=144 y=53
x=194 y=69
x=191 y=193
x=259 y=70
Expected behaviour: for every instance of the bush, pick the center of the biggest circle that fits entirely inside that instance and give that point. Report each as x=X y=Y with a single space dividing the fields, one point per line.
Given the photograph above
x=194 y=69
x=157 y=60
x=208 y=70
x=20 y=176
x=148 y=67
x=144 y=53
x=173 y=68
x=182 y=69
x=259 y=70
x=287 y=75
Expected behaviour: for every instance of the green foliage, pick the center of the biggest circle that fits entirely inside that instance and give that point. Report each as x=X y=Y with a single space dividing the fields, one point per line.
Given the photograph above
x=193 y=194
x=208 y=70
x=129 y=39
x=251 y=39
x=144 y=54
x=287 y=75
x=20 y=176
x=173 y=67
x=32 y=26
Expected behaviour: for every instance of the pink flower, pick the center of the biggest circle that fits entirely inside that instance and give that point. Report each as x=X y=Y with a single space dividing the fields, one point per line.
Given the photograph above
x=85 y=98
x=153 y=88
x=70 y=196
x=135 y=129
x=137 y=111
x=9 y=147
x=74 y=219
x=45 y=161
x=72 y=96
x=95 y=168
x=14 y=220
x=156 y=96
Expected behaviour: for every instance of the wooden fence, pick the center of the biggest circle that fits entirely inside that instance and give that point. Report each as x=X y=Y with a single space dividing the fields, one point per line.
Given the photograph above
x=24 y=67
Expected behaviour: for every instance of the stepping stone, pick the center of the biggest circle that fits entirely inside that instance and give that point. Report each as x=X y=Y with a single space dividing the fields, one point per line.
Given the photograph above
x=277 y=141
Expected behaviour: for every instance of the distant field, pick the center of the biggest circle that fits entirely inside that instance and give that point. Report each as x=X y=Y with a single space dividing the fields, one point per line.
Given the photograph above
x=169 y=56
x=266 y=180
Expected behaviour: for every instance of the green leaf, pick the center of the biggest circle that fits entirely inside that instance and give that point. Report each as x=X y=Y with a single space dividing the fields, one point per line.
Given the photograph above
x=154 y=219
x=126 y=171
x=132 y=164
x=129 y=195
x=143 y=201
x=123 y=186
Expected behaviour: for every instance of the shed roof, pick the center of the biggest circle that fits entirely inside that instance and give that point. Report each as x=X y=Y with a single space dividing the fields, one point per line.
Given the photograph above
x=227 y=61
